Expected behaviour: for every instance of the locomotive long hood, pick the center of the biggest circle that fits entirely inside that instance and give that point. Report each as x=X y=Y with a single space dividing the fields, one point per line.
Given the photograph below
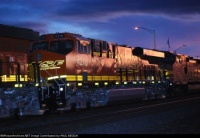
x=154 y=56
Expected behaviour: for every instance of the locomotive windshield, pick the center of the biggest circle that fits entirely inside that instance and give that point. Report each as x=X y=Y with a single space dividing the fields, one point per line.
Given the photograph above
x=40 y=46
x=62 y=47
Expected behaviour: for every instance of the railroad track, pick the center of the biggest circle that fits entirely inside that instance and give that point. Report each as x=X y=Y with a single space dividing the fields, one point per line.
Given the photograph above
x=70 y=121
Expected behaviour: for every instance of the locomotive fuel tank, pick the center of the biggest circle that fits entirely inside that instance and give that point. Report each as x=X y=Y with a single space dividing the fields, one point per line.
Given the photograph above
x=123 y=94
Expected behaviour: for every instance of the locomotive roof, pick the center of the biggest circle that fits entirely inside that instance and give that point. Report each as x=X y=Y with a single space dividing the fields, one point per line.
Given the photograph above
x=18 y=32
x=80 y=37
x=64 y=35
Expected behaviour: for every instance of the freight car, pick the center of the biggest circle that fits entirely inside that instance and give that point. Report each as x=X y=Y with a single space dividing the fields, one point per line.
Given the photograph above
x=68 y=71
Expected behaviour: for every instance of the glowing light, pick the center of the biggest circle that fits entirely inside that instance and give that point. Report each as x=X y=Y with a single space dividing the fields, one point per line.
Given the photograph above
x=61 y=89
x=134 y=82
x=63 y=76
x=54 y=77
x=136 y=28
x=16 y=85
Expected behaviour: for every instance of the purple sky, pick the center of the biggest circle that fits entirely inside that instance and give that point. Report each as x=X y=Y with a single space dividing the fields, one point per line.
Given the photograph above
x=113 y=20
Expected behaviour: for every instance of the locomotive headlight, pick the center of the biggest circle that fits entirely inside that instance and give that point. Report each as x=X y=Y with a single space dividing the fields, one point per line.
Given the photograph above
x=134 y=82
x=16 y=85
x=61 y=88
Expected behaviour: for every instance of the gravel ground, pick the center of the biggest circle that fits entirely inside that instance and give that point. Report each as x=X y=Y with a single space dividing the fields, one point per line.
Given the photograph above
x=184 y=119
x=179 y=120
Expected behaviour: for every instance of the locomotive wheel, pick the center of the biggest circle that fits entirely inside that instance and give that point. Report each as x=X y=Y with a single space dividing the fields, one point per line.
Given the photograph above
x=89 y=107
x=177 y=91
x=156 y=96
x=20 y=117
x=47 y=112
x=13 y=112
x=61 y=112
x=149 y=97
x=73 y=107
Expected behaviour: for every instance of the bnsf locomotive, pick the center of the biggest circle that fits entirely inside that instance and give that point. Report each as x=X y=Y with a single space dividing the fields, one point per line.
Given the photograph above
x=68 y=71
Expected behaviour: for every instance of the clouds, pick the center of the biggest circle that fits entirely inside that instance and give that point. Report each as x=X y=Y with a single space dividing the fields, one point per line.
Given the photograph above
x=108 y=9
x=111 y=20
x=99 y=10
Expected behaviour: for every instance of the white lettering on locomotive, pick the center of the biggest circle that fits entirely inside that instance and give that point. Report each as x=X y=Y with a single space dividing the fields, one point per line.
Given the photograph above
x=82 y=62
x=44 y=65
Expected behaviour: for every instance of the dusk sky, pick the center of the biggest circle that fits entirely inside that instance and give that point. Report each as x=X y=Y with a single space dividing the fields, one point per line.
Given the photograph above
x=113 y=20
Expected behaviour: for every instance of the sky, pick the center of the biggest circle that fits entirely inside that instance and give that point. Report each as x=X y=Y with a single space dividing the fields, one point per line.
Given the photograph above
x=175 y=22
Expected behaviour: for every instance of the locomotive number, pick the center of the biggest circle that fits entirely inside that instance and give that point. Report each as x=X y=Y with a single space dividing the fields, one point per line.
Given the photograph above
x=50 y=64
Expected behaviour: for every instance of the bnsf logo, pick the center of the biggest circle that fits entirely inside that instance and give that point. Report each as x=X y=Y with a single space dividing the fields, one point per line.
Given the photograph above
x=50 y=64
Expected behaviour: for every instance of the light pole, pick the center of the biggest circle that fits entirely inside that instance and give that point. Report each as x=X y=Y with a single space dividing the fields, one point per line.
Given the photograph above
x=149 y=30
x=179 y=48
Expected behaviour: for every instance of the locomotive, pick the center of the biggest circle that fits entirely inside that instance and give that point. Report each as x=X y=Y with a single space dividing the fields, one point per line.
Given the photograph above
x=68 y=71
x=14 y=43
